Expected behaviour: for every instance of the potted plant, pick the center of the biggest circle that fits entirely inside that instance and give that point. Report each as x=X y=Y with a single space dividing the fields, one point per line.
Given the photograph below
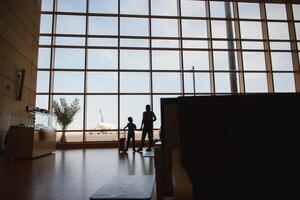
x=65 y=114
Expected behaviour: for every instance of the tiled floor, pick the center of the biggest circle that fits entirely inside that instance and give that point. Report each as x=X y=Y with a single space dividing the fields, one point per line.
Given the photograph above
x=68 y=174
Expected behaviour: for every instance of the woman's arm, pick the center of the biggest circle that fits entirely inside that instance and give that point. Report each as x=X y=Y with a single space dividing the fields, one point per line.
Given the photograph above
x=154 y=117
x=142 y=121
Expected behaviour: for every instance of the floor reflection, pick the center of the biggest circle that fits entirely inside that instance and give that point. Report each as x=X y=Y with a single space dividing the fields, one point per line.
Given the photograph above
x=68 y=174
x=133 y=163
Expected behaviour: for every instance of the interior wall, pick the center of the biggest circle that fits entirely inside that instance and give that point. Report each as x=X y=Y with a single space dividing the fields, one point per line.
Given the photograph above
x=19 y=30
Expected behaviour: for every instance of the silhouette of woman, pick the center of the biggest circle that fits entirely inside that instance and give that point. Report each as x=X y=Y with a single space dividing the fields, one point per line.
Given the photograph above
x=147 y=127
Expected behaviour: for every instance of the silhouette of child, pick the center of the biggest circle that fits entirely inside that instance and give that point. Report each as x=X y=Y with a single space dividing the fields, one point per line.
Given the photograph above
x=131 y=128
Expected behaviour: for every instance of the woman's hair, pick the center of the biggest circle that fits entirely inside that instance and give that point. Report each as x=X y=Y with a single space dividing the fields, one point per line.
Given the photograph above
x=148 y=107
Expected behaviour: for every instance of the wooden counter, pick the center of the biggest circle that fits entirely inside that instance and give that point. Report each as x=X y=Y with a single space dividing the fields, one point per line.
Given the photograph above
x=29 y=143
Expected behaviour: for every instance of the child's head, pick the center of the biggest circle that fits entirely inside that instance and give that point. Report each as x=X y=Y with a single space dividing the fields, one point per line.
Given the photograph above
x=130 y=119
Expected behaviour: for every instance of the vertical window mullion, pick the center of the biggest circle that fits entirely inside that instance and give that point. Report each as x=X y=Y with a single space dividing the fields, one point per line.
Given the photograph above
x=268 y=59
x=85 y=71
x=293 y=42
x=119 y=25
x=180 y=47
x=210 y=50
x=52 y=55
x=239 y=47
x=150 y=53
x=230 y=46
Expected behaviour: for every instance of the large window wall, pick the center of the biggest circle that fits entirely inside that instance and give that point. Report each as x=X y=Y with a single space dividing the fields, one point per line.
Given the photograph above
x=116 y=56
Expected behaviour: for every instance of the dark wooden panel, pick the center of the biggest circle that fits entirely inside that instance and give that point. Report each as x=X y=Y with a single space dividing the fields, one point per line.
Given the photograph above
x=29 y=143
x=241 y=147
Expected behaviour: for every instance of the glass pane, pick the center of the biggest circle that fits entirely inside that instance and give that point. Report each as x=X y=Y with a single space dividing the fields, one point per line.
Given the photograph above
x=134 y=26
x=194 y=28
x=165 y=60
x=102 y=42
x=47 y=5
x=165 y=7
x=46 y=24
x=71 y=136
x=102 y=82
x=198 y=59
x=219 y=29
x=202 y=83
x=134 y=59
x=166 y=82
x=253 y=45
x=284 y=82
x=132 y=106
x=134 y=43
x=220 y=44
x=297 y=27
x=44 y=58
x=103 y=6
x=282 y=61
x=221 y=60
x=165 y=43
x=193 y=8
x=280 y=45
x=251 y=30
x=102 y=112
x=135 y=82
x=44 y=40
x=42 y=101
x=93 y=136
x=276 y=11
x=70 y=41
x=102 y=58
x=69 y=58
x=70 y=24
x=68 y=82
x=296 y=11
x=103 y=25
x=156 y=108
x=222 y=83
x=254 y=61
x=278 y=30
x=165 y=27
x=135 y=7
x=249 y=10
x=195 y=44
x=256 y=82
x=71 y=6
x=42 y=81
x=217 y=9
x=77 y=123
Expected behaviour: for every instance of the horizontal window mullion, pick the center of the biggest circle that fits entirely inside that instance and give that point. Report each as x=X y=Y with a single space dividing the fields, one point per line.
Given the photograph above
x=92 y=130
x=164 y=38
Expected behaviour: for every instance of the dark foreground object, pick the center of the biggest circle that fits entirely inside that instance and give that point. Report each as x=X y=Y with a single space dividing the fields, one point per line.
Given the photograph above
x=126 y=187
x=241 y=147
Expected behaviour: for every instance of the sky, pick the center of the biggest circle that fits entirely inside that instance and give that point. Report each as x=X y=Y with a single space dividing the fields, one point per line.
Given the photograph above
x=139 y=82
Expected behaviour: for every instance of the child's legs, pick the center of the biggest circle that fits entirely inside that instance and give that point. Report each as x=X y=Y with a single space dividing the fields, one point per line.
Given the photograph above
x=128 y=141
x=131 y=136
x=133 y=142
